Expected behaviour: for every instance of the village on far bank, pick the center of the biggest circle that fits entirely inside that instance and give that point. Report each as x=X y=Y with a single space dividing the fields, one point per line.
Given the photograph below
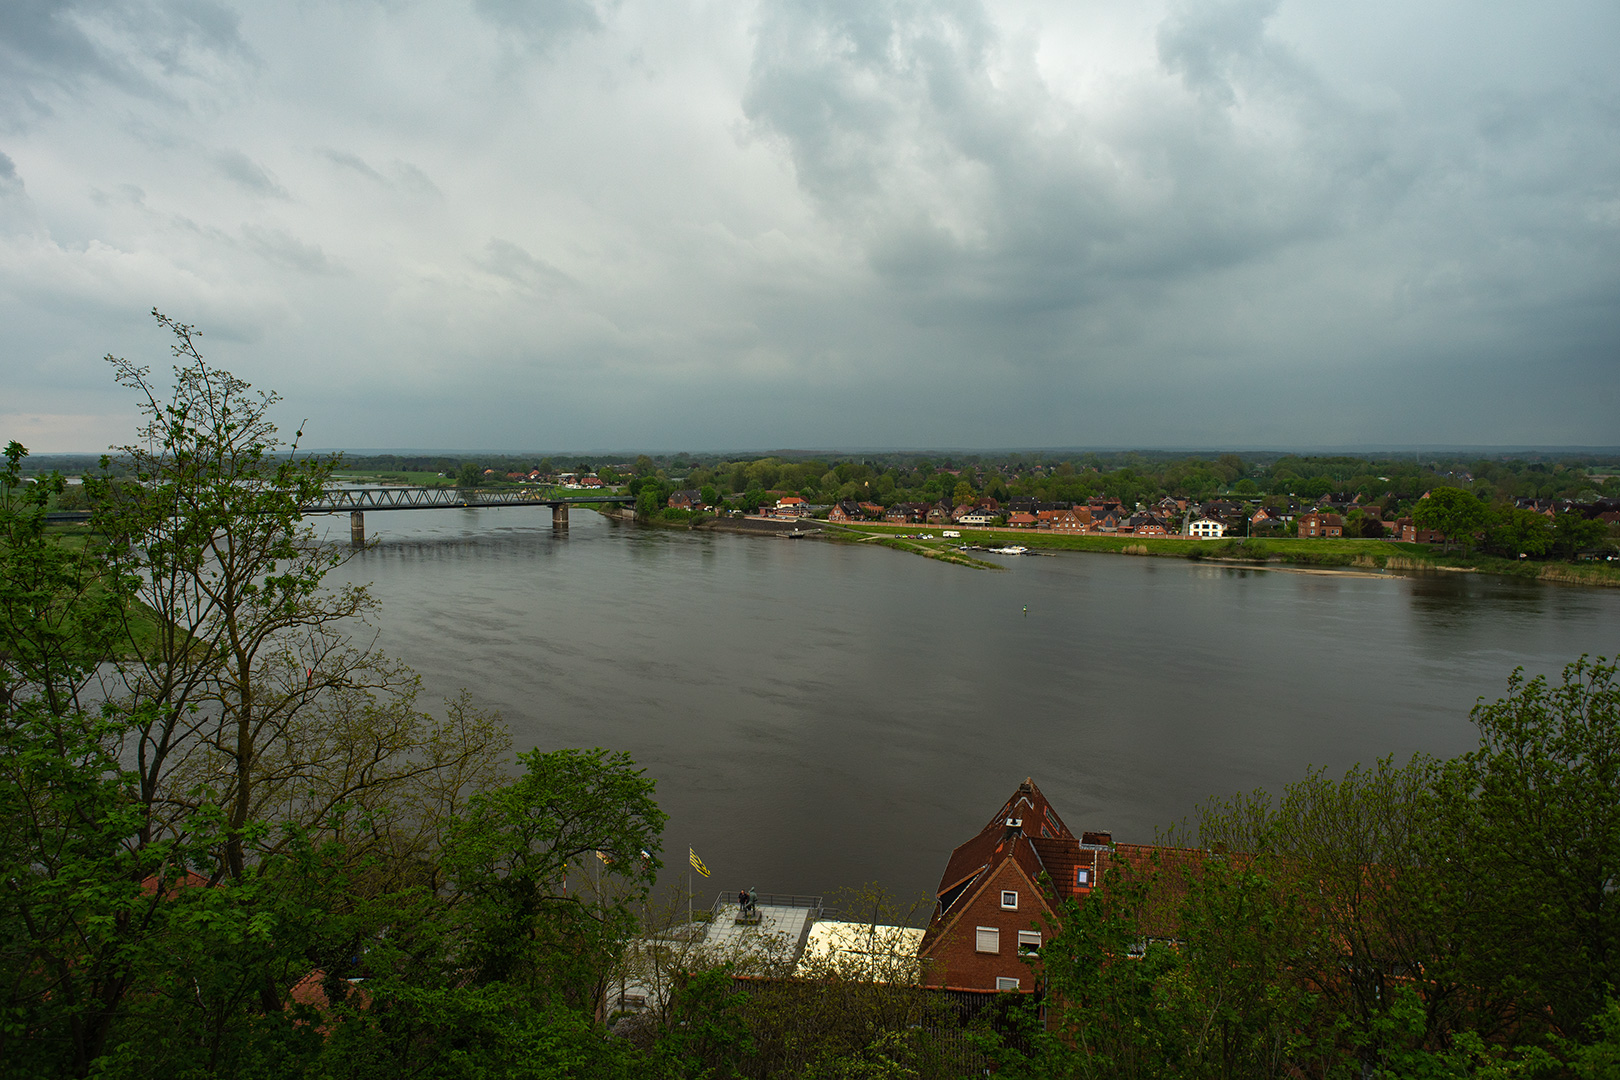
x=1531 y=507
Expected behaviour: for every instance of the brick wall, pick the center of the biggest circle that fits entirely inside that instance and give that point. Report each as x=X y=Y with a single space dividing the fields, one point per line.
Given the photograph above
x=955 y=956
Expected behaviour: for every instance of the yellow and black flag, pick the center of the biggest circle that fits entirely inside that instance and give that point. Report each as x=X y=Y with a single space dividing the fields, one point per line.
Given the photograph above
x=697 y=863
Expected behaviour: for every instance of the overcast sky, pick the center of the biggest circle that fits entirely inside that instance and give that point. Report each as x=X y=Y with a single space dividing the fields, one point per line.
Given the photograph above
x=679 y=224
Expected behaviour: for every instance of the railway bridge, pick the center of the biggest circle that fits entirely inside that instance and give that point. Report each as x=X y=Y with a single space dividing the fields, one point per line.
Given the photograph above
x=357 y=500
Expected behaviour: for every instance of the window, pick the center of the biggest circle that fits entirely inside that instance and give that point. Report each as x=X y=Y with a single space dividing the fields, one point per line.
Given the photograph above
x=1082 y=877
x=1004 y=983
x=1009 y=900
x=1029 y=941
x=987 y=939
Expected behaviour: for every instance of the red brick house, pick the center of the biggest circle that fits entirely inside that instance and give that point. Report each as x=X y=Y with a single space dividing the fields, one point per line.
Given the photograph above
x=1317 y=524
x=993 y=907
x=1409 y=533
x=845 y=511
x=1077 y=520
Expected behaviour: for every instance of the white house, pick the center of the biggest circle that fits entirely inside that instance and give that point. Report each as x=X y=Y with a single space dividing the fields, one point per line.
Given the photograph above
x=1206 y=529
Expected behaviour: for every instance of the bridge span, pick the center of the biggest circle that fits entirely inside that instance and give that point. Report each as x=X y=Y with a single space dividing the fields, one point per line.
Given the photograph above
x=357 y=500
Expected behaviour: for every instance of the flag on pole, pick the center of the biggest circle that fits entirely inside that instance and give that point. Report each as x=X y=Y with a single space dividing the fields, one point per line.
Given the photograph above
x=697 y=863
x=604 y=856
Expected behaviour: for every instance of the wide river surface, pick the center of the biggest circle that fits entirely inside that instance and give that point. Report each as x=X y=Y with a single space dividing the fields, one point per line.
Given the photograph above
x=822 y=715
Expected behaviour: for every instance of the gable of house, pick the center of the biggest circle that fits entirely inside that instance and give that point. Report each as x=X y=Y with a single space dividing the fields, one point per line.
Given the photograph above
x=993 y=904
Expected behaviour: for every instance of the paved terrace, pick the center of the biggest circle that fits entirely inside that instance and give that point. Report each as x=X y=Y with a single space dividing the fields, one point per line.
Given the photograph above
x=780 y=930
x=772 y=944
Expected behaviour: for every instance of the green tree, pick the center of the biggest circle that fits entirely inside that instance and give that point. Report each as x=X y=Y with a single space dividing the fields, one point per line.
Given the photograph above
x=1532 y=839
x=58 y=609
x=241 y=702
x=1358 y=852
x=239 y=692
x=1104 y=970
x=522 y=861
x=1314 y=488
x=1513 y=532
x=1454 y=513
x=469 y=475
x=1573 y=533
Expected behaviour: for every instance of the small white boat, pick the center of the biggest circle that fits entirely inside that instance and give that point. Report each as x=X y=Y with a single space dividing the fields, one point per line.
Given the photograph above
x=1015 y=549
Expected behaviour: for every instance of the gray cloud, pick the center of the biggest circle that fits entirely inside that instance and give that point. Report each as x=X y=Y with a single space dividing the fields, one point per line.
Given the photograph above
x=1001 y=191
x=354 y=163
x=237 y=166
x=414 y=180
x=506 y=260
x=54 y=47
x=282 y=247
x=860 y=221
x=542 y=20
x=402 y=175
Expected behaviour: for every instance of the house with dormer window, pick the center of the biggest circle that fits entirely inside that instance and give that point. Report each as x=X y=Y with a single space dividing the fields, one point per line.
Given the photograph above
x=999 y=896
x=1002 y=893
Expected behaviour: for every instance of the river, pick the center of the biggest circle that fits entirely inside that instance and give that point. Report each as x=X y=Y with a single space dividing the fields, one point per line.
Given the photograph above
x=822 y=715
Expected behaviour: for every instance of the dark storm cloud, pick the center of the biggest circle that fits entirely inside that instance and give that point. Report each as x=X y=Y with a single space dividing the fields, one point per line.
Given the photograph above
x=1027 y=201
x=874 y=222
x=1041 y=223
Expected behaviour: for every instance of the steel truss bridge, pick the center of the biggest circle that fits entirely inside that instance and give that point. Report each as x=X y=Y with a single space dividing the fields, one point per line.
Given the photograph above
x=357 y=501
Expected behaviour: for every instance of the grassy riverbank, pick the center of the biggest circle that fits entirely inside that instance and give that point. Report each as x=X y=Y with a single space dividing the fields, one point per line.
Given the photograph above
x=1283 y=551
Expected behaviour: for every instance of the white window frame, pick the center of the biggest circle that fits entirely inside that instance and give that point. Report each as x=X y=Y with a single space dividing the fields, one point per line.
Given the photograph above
x=1082 y=876
x=1009 y=906
x=987 y=935
x=1029 y=940
x=1005 y=982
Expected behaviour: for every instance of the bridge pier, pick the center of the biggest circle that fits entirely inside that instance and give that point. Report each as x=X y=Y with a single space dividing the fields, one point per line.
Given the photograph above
x=559 y=516
x=357 y=528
